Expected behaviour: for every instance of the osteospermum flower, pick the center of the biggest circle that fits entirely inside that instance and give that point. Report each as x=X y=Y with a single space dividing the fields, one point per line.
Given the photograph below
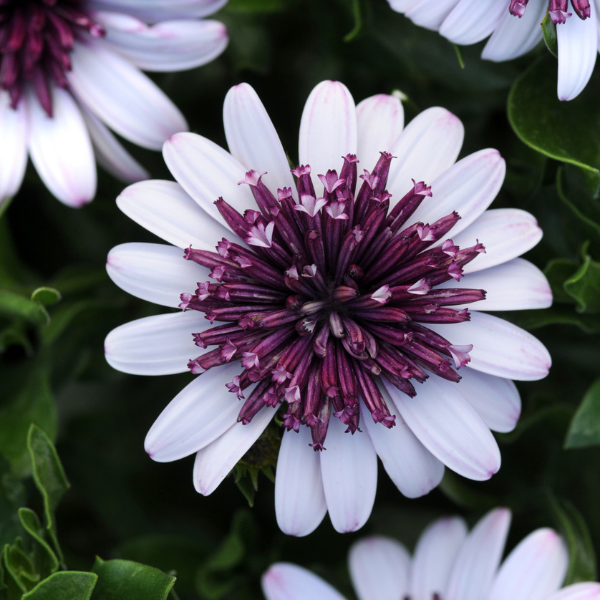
x=341 y=302
x=448 y=564
x=514 y=26
x=70 y=70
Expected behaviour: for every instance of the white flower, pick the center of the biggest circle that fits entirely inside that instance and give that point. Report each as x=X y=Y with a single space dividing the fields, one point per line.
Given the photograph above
x=321 y=345
x=70 y=70
x=448 y=564
x=515 y=29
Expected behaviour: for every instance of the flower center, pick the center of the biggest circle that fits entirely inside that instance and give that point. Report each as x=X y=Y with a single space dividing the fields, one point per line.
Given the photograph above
x=329 y=294
x=36 y=38
x=557 y=9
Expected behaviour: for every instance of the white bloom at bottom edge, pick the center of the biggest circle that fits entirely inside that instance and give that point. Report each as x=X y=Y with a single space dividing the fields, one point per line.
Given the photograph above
x=449 y=563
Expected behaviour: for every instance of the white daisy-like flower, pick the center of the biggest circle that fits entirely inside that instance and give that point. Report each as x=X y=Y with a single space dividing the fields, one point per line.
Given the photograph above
x=514 y=27
x=349 y=304
x=448 y=564
x=70 y=70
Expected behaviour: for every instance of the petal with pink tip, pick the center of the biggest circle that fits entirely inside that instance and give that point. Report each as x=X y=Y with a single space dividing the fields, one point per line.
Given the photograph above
x=284 y=581
x=472 y=21
x=13 y=152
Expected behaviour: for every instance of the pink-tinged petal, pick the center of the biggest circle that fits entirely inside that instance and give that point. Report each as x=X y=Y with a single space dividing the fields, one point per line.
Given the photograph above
x=328 y=130
x=472 y=21
x=426 y=148
x=478 y=558
x=215 y=461
x=379 y=568
x=505 y=232
x=380 y=123
x=164 y=208
x=299 y=497
x=533 y=570
x=577 y=52
x=468 y=187
x=499 y=347
x=153 y=11
x=497 y=400
x=578 y=591
x=252 y=138
x=202 y=412
x=514 y=285
x=284 y=581
x=434 y=555
x=110 y=153
x=121 y=96
x=13 y=153
x=514 y=37
x=61 y=150
x=449 y=427
x=207 y=172
x=158 y=345
x=413 y=469
x=154 y=272
x=431 y=13
x=349 y=469
x=170 y=45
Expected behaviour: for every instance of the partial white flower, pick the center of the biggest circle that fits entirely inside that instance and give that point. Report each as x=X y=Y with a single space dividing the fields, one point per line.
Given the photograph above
x=361 y=326
x=514 y=27
x=71 y=72
x=448 y=564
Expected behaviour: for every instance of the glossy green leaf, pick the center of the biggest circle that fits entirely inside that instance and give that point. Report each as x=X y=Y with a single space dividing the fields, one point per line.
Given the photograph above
x=66 y=585
x=585 y=426
x=46 y=296
x=15 y=305
x=549 y=33
x=582 y=560
x=127 y=580
x=584 y=286
x=47 y=562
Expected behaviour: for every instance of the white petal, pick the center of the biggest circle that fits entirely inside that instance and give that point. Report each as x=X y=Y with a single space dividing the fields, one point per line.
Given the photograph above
x=413 y=469
x=328 y=130
x=158 y=10
x=475 y=566
x=449 y=427
x=533 y=570
x=380 y=123
x=163 y=208
x=207 y=172
x=577 y=52
x=284 y=581
x=514 y=37
x=578 y=591
x=349 y=469
x=13 y=151
x=427 y=147
x=110 y=154
x=158 y=345
x=514 y=285
x=379 y=568
x=434 y=555
x=496 y=399
x=472 y=21
x=402 y=5
x=154 y=272
x=215 y=461
x=431 y=13
x=499 y=347
x=198 y=415
x=299 y=497
x=505 y=232
x=61 y=150
x=468 y=187
x=121 y=96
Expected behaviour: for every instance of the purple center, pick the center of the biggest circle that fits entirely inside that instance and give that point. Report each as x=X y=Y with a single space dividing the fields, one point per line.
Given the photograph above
x=557 y=9
x=334 y=292
x=36 y=38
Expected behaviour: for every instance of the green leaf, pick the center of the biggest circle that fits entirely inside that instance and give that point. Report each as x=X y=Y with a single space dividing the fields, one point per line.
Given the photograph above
x=584 y=430
x=584 y=286
x=582 y=559
x=12 y=495
x=127 y=580
x=455 y=490
x=46 y=296
x=557 y=271
x=30 y=401
x=565 y=131
x=15 y=305
x=557 y=315
x=15 y=336
x=549 y=33
x=357 y=15
x=66 y=585
x=20 y=566
x=45 y=558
